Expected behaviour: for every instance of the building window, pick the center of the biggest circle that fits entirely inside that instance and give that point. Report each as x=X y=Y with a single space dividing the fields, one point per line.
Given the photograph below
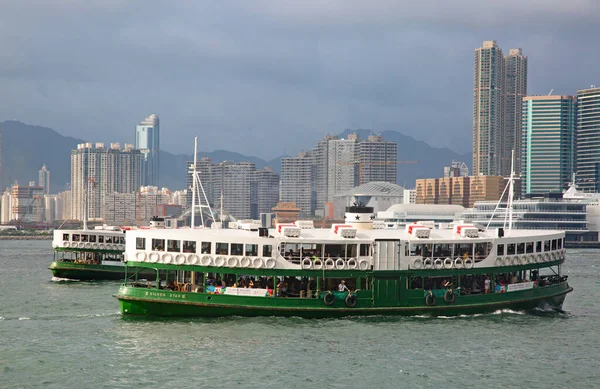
x=173 y=246
x=140 y=243
x=189 y=246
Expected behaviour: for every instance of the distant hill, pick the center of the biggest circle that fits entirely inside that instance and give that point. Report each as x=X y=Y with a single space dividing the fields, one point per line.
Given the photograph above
x=26 y=148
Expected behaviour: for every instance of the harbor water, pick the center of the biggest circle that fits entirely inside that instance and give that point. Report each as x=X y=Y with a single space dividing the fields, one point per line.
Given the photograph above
x=63 y=334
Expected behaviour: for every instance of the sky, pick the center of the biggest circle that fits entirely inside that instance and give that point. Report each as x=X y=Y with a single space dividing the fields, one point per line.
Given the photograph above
x=271 y=77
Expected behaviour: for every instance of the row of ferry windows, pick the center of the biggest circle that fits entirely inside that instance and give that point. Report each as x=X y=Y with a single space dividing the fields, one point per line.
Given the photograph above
x=528 y=247
x=189 y=246
x=94 y=238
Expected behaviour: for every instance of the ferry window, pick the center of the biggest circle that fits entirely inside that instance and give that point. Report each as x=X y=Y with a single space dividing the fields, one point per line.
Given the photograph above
x=157 y=244
x=75 y=237
x=464 y=250
x=173 y=246
x=554 y=244
x=546 y=245
x=267 y=250
x=334 y=250
x=122 y=240
x=510 y=249
x=351 y=250
x=482 y=250
x=442 y=250
x=237 y=249
x=291 y=251
x=205 y=248
x=84 y=238
x=500 y=249
x=93 y=238
x=189 y=246
x=416 y=283
x=560 y=244
x=251 y=250
x=101 y=239
x=222 y=248
x=65 y=236
x=311 y=250
x=529 y=248
x=108 y=239
x=364 y=250
x=140 y=243
x=538 y=246
x=521 y=248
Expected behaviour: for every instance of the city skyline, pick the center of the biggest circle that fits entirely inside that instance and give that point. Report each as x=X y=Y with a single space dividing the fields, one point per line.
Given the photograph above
x=328 y=66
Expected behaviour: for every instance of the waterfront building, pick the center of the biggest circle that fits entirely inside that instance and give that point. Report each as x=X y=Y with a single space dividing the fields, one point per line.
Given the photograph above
x=321 y=171
x=515 y=88
x=97 y=171
x=44 y=179
x=548 y=143
x=64 y=211
x=6 y=207
x=409 y=196
x=342 y=166
x=377 y=160
x=488 y=107
x=232 y=182
x=456 y=169
x=297 y=182
x=265 y=191
x=147 y=140
x=135 y=208
x=27 y=203
x=500 y=83
x=588 y=139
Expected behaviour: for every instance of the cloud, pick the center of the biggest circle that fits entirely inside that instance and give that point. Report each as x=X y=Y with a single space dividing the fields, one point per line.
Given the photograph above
x=267 y=76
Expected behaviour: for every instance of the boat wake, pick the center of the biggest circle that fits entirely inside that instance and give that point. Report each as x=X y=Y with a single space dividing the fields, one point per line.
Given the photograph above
x=59 y=279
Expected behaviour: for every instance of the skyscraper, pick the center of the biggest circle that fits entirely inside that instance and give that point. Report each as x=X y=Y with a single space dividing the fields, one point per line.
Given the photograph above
x=265 y=191
x=97 y=171
x=487 y=108
x=377 y=160
x=147 y=140
x=548 y=143
x=588 y=138
x=499 y=84
x=515 y=88
x=342 y=166
x=297 y=182
x=44 y=179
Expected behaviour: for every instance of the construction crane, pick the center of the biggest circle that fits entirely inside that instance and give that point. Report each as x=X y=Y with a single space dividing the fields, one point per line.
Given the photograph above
x=361 y=165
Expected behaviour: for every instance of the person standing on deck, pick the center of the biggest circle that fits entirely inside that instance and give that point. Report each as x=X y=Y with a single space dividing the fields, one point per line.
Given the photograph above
x=342 y=287
x=486 y=285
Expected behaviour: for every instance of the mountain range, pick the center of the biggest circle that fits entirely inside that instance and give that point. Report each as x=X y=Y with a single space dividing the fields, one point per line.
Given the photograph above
x=25 y=148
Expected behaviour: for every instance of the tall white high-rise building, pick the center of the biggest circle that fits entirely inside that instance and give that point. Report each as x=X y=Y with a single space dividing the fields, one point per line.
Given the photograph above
x=296 y=186
x=232 y=182
x=265 y=191
x=147 y=140
x=6 y=207
x=588 y=139
x=515 y=88
x=97 y=171
x=377 y=160
x=44 y=179
x=342 y=166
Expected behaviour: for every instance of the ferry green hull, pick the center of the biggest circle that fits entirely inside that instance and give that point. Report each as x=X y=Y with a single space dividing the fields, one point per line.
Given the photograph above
x=88 y=272
x=155 y=302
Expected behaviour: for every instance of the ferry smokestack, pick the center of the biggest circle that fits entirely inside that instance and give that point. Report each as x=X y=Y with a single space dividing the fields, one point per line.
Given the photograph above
x=360 y=217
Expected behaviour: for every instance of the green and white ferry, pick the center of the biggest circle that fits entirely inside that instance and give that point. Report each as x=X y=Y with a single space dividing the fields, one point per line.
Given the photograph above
x=355 y=268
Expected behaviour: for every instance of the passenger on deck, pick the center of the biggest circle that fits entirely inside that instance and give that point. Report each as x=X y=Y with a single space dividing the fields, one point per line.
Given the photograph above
x=342 y=287
x=486 y=285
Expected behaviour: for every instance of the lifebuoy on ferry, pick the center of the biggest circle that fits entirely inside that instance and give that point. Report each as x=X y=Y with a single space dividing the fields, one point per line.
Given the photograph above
x=80 y=245
x=523 y=259
x=307 y=263
x=539 y=258
x=206 y=260
x=531 y=258
x=469 y=263
x=430 y=300
x=192 y=259
x=418 y=263
x=232 y=262
x=270 y=263
x=428 y=263
x=438 y=263
x=516 y=260
x=329 y=299
x=167 y=258
x=153 y=257
x=340 y=264
x=448 y=263
x=219 y=261
x=507 y=260
x=546 y=257
x=352 y=263
x=449 y=296
x=180 y=259
x=140 y=256
x=351 y=301
x=318 y=264
x=87 y=245
x=364 y=264
x=329 y=264
x=554 y=255
x=458 y=263
x=257 y=263
x=245 y=262
x=499 y=261
x=66 y=244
